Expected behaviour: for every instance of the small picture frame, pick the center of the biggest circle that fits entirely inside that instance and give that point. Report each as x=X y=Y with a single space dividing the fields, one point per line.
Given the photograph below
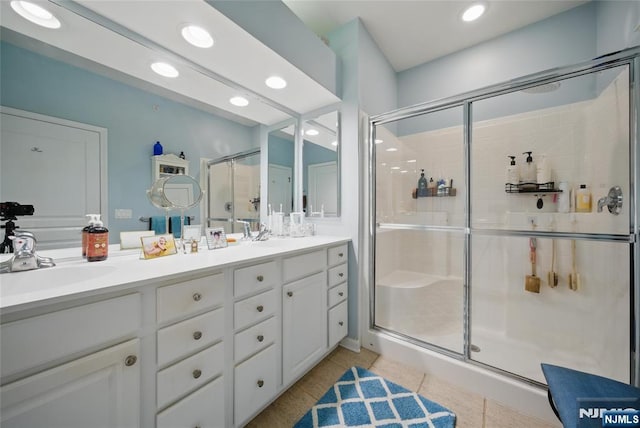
x=192 y=232
x=216 y=238
x=158 y=246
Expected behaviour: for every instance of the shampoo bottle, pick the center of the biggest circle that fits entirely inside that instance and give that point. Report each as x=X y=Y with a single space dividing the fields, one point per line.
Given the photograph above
x=97 y=241
x=513 y=175
x=583 y=199
x=528 y=171
x=422 y=185
x=543 y=170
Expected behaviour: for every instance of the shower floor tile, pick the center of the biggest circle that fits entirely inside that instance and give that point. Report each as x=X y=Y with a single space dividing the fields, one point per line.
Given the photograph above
x=472 y=410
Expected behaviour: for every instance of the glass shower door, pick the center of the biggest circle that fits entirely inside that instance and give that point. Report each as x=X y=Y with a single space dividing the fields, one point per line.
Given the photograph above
x=419 y=238
x=551 y=267
x=234 y=191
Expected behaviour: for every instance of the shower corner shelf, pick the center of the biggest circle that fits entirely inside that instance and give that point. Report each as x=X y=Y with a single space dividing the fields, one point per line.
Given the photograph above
x=432 y=193
x=531 y=188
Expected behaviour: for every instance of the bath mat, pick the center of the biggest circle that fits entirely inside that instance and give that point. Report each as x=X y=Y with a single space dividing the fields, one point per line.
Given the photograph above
x=361 y=398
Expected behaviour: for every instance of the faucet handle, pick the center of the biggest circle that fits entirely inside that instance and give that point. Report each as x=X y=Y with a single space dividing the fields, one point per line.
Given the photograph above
x=613 y=201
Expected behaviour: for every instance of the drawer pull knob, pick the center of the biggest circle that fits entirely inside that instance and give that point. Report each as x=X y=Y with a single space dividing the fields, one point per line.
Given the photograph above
x=290 y=293
x=260 y=308
x=197 y=297
x=260 y=278
x=197 y=335
x=340 y=254
x=260 y=338
x=340 y=294
x=130 y=360
x=341 y=274
x=197 y=373
x=260 y=383
x=340 y=323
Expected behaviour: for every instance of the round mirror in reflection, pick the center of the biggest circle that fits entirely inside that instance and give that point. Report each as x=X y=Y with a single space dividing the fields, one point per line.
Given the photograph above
x=176 y=191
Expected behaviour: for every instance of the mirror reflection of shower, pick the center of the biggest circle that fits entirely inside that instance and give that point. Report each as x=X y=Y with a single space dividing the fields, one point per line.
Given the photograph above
x=234 y=191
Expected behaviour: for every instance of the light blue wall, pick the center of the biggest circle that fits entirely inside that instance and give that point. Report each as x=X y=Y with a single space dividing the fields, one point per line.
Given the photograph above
x=275 y=25
x=616 y=22
x=39 y=84
x=311 y=155
x=280 y=151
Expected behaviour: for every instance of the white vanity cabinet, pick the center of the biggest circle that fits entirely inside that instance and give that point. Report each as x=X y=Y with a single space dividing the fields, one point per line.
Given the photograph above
x=62 y=389
x=337 y=282
x=190 y=352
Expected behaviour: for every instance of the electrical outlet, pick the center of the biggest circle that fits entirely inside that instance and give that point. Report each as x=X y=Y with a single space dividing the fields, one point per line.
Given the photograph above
x=123 y=213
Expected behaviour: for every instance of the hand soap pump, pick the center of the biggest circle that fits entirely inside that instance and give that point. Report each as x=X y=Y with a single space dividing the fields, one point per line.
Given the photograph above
x=528 y=171
x=97 y=240
x=513 y=175
x=157 y=148
x=422 y=185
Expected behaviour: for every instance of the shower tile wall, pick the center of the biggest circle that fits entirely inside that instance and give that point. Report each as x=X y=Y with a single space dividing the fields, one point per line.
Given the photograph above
x=586 y=142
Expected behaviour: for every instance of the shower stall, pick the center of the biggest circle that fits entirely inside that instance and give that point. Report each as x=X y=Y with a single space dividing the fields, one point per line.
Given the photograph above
x=502 y=274
x=234 y=191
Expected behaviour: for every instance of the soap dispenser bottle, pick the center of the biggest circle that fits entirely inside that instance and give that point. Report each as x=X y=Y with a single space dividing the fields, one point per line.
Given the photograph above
x=513 y=175
x=422 y=185
x=85 y=234
x=97 y=240
x=157 y=148
x=528 y=172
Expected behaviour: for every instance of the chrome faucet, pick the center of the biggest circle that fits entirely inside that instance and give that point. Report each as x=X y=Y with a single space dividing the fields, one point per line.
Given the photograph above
x=263 y=235
x=246 y=229
x=24 y=254
x=613 y=201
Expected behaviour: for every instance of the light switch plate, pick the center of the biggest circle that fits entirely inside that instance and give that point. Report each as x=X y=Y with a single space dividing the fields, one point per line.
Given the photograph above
x=123 y=213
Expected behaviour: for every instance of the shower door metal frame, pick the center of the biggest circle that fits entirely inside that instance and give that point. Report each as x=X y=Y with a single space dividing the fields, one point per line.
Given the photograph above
x=232 y=159
x=628 y=57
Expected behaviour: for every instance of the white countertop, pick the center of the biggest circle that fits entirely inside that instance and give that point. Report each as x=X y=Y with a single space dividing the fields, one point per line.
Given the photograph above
x=75 y=277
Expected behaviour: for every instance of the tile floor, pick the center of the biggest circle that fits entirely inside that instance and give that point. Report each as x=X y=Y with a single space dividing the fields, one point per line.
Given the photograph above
x=472 y=410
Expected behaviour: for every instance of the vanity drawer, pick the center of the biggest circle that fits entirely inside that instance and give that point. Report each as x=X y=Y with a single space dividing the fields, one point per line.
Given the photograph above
x=255 y=338
x=337 y=254
x=254 y=309
x=337 y=294
x=180 y=339
x=204 y=408
x=254 y=278
x=337 y=274
x=255 y=383
x=303 y=265
x=338 y=327
x=178 y=300
x=35 y=341
x=189 y=374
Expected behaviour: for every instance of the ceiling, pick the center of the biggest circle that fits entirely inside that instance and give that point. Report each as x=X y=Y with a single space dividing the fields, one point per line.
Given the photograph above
x=117 y=39
x=410 y=33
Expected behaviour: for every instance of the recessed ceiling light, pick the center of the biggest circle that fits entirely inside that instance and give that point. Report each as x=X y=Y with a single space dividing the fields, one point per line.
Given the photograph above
x=334 y=143
x=395 y=167
x=35 y=13
x=312 y=132
x=392 y=149
x=383 y=164
x=164 y=69
x=197 y=36
x=377 y=141
x=473 y=12
x=411 y=161
x=404 y=171
x=239 y=101
x=275 y=82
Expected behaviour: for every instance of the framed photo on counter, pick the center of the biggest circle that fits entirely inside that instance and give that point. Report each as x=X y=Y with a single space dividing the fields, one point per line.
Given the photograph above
x=158 y=246
x=216 y=238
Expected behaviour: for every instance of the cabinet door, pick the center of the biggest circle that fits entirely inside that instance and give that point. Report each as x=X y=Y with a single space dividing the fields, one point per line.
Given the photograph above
x=304 y=324
x=99 y=390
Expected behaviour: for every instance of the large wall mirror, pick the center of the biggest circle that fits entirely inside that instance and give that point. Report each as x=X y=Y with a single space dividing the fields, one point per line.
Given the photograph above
x=321 y=165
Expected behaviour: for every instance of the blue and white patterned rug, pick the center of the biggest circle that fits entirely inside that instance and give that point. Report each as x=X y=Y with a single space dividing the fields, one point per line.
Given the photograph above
x=361 y=398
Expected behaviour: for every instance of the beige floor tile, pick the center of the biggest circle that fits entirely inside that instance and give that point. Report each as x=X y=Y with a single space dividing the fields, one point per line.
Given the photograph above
x=268 y=418
x=398 y=373
x=346 y=359
x=500 y=416
x=320 y=378
x=294 y=403
x=467 y=406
